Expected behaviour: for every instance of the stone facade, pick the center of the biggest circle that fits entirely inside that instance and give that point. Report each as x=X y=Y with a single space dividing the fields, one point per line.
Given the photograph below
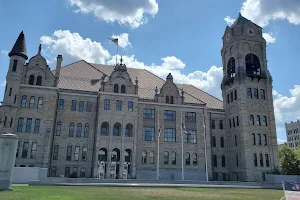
x=69 y=122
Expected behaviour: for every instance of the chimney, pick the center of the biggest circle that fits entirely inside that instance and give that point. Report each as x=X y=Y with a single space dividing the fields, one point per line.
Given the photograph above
x=58 y=68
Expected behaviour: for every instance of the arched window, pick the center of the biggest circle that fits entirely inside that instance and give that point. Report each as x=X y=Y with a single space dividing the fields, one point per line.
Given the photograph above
x=123 y=89
x=20 y=124
x=166 y=158
x=187 y=159
x=167 y=99
x=24 y=101
x=222 y=142
x=194 y=159
x=31 y=102
x=214 y=141
x=115 y=155
x=253 y=139
x=172 y=100
x=265 y=123
x=31 y=80
x=173 y=157
x=116 y=88
x=79 y=130
x=251 y=120
x=58 y=128
x=151 y=157
x=144 y=157
x=221 y=124
x=104 y=129
x=231 y=68
x=37 y=124
x=128 y=130
x=86 y=130
x=259 y=139
x=258 y=120
x=116 y=130
x=252 y=64
x=40 y=103
x=71 y=129
x=39 y=80
x=128 y=155
x=82 y=172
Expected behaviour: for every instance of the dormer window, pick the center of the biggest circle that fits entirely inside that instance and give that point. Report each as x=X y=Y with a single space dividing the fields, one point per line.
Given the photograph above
x=167 y=99
x=123 y=89
x=31 y=80
x=116 y=88
x=39 y=80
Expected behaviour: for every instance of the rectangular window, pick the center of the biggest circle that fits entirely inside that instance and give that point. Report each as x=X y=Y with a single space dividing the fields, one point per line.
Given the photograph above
x=191 y=137
x=84 y=153
x=31 y=102
x=265 y=140
x=223 y=161
x=106 y=104
x=33 y=150
x=237 y=121
x=237 y=160
x=215 y=160
x=74 y=105
x=235 y=95
x=261 y=160
x=88 y=106
x=81 y=106
x=259 y=139
x=37 y=125
x=67 y=172
x=231 y=96
x=61 y=104
x=170 y=135
x=15 y=99
x=222 y=142
x=148 y=134
x=40 y=103
x=69 y=152
x=170 y=115
x=233 y=122
x=255 y=159
x=190 y=117
x=255 y=93
x=20 y=124
x=267 y=160
x=119 y=105
x=130 y=106
x=262 y=94
x=228 y=99
x=149 y=113
x=28 y=125
x=76 y=155
x=25 y=149
x=249 y=92
x=14 y=68
x=5 y=121
x=55 y=152
x=10 y=91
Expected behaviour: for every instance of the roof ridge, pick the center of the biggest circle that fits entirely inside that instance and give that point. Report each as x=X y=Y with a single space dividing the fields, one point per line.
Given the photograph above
x=193 y=95
x=91 y=65
x=207 y=93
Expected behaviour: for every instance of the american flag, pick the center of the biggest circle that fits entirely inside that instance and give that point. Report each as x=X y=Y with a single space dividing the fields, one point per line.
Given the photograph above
x=184 y=129
x=114 y=40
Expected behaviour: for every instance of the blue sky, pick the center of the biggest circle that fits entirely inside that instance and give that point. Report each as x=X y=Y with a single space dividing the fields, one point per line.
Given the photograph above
x=161 y=36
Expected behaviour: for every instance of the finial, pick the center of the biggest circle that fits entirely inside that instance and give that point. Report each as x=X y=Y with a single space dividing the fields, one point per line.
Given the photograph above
x=121 y=60
x=136 y=80
x=156 y=90
x=40 y=48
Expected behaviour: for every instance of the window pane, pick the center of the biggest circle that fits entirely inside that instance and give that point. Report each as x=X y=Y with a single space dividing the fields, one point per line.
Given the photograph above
x=61 y=104
x=31 y=102
x=28 y=125
x=191 y=137
x=149 y=113
x=190 y=117
x=89 y=106
x=130 y=106
x=37 y=126
x=170 y=115
x=23 y=101
x=81 y=106
x=148 y=134
x=86 y=130
x=20 y=124
x=79 y=130
x=106 y=104
x=74 y=104
x=118 y=105
x=170 y=135
x=40 y=103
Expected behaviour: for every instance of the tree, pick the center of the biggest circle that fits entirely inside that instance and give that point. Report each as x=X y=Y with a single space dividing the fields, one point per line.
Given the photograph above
x=290 y=165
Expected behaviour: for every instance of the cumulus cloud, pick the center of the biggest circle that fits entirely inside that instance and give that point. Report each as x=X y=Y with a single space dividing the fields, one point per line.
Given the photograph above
x=280 y=141
x=229 y=20
x=208 y=81
x=73 y=47
x=123 y=40
x=269 y=37
x=128 y=12
x=262 y=12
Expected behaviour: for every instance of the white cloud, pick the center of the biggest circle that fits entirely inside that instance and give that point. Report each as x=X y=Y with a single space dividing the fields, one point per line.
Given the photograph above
x=262 y=12
x=128 y=12
x=4 y=51
x=123 y=40
x=208 y=81
x=229 y=20
x=73 y=47
x=279 y=141
x=3 y=83
x=269 y=37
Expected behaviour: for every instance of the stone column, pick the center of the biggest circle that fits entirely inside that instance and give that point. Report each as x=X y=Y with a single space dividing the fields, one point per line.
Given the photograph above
x=8 y=149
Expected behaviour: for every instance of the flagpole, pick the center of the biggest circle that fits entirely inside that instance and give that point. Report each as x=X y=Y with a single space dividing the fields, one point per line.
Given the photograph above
x=205 y=146
x=157 y=175
x=182 y=172
x=117 y=53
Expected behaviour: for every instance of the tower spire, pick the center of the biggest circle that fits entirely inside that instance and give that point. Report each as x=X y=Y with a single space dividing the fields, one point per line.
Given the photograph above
x=19 y=48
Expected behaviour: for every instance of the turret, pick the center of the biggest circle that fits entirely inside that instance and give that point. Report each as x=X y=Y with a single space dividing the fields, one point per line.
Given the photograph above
x=58 y=68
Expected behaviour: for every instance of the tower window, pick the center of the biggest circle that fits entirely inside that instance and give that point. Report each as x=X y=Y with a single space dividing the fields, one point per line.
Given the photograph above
x=228 y=99
x=116 y=88
x=39 y=80
x=229 y=123
x=255 y=93
x=249 y=92
x=10 y=91
x=231 y=68
x=233 y=122
x=262 y=94
x=172 y=100
x=61 y=104
x=253 y=139
x=235 y=95
x=251 y=120
x=255 y=159
x=15 y=65
x=231 y=96
x=259 y=139
x=123 y=89
x=11 y=122
x=252 y=64
x=221 y=124
x=258 y=120
x=235 y=140
x=31 y=80
x=237 y=121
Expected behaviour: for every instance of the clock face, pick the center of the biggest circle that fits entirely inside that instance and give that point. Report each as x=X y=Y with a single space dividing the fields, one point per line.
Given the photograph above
x=228 y=37
x=250 y=32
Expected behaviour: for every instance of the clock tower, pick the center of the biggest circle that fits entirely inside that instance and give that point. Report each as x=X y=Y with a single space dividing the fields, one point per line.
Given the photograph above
x=248 y=102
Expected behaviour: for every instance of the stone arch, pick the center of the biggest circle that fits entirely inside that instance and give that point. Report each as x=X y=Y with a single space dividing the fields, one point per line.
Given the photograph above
x=246 y=47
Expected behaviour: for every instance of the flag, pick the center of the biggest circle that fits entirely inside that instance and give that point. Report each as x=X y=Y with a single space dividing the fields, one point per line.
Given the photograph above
x=184 y=129
x=114 y=40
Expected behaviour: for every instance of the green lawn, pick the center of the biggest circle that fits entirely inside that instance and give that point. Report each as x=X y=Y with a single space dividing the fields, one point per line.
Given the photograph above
x=133 y=193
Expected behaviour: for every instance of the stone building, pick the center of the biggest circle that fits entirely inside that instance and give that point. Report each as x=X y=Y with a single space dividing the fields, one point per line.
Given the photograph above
x=293 y=134
x=83 y=115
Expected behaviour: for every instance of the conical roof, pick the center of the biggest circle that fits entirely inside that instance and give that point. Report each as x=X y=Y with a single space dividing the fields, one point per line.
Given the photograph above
x=19 y=48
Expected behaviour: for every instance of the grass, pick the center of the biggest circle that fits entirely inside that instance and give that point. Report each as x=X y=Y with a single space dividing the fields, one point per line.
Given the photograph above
x=134 y=193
